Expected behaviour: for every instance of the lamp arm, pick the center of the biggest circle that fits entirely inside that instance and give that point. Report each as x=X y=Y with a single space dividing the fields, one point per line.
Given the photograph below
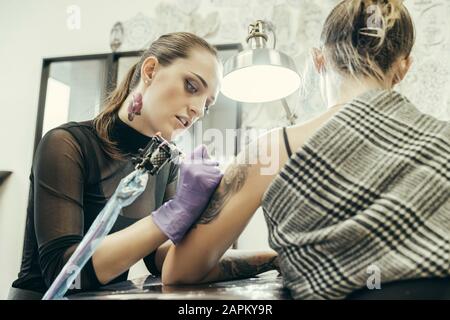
x=290 y=115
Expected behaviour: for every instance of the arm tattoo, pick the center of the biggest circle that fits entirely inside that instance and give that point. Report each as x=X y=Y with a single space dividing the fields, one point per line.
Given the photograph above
x=238 y=268
x=232 y=181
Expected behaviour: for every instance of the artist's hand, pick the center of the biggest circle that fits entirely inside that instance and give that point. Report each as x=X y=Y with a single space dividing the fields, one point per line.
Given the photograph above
x=199 y=178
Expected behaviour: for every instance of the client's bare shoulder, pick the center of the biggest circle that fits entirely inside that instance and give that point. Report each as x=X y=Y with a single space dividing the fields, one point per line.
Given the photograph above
x=250 y=174
x=300 y=133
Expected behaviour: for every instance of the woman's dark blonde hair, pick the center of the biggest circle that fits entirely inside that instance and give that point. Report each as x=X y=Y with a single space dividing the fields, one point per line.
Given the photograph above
x=166 y=49
x=354 y=50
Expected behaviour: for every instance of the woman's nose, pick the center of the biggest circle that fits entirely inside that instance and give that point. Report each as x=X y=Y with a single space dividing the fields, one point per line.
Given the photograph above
x=196 y=107
x=194 y=111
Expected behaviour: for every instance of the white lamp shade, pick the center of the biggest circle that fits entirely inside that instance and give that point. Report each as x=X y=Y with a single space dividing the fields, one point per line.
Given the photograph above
x=260 y=75
x=260 y=84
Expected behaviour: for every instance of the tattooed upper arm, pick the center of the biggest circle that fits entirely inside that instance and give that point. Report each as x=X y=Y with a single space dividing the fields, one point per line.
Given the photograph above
x=232 y=181
x=255 y=157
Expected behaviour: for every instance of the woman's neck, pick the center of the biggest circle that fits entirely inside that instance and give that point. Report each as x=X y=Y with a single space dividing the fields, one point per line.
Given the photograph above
x=127 y=139
x=137 y=123
x=340 y=89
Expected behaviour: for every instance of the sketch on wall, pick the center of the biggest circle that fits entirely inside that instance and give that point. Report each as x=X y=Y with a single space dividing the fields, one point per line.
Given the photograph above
x=298 y=25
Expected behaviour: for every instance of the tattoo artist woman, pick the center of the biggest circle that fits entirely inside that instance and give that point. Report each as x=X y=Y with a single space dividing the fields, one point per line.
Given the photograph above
x=78 y=166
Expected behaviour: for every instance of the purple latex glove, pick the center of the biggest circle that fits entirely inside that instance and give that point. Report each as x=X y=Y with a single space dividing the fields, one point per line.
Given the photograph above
x=199 y=178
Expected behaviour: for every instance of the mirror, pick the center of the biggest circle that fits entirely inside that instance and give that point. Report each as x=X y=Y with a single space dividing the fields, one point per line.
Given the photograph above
x=74 y=92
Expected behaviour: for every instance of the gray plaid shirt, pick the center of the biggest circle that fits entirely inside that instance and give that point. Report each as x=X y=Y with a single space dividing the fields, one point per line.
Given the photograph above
x=369 y=191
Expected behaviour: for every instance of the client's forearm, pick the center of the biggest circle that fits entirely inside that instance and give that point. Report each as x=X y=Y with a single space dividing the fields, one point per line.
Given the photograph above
x=239 y=264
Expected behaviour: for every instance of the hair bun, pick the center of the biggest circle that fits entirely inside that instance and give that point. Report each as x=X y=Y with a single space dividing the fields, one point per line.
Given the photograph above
x=363 y=38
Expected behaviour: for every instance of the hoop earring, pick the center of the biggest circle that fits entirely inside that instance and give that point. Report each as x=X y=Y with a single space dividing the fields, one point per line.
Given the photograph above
x=135 y=106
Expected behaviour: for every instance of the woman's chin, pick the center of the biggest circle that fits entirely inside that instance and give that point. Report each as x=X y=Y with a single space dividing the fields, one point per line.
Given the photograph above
x=176 y=133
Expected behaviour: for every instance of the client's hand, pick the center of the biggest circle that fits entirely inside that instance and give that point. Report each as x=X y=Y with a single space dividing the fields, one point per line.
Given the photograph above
x=199 y=178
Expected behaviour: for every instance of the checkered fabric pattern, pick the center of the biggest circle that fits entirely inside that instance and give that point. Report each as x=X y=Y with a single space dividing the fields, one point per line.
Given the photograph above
x=370 y=188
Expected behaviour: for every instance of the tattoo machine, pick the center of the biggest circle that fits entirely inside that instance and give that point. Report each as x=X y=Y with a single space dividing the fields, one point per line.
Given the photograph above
x=151 y=160
x=156 y=155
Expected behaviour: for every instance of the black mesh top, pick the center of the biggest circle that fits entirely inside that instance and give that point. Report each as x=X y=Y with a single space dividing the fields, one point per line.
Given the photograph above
x=72 y=178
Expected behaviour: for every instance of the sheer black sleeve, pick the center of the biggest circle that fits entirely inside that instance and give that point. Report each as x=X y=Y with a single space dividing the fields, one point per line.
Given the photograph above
x=172 y=182
x=59 y=173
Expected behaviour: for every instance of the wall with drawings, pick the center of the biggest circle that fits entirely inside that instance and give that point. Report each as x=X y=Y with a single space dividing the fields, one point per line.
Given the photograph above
x=298 y=25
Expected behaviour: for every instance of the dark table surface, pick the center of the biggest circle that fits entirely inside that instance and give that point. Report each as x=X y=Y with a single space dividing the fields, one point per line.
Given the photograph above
x=267 y=286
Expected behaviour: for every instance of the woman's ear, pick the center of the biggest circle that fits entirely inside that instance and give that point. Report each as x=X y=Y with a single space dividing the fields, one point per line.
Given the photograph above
x=148 y=70
x=402 y=69
x=318 y=59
